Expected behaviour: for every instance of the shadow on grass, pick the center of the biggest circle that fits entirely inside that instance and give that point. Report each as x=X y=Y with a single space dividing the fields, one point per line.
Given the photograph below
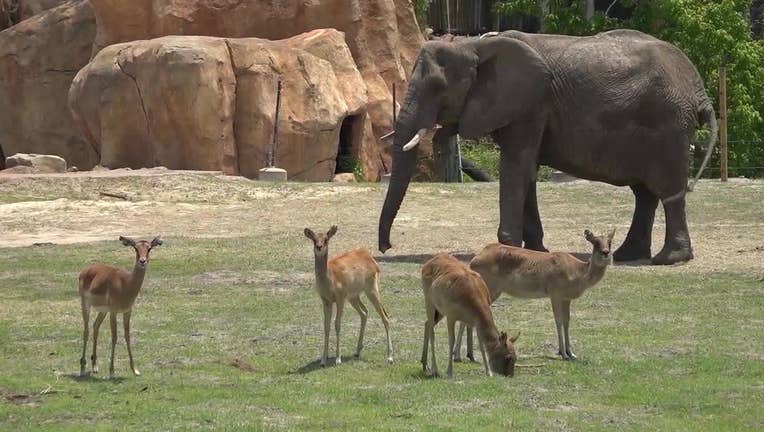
x=316 y=364
x=467 y=256
x=422 y=258
x=89 y=377
x=586 y=256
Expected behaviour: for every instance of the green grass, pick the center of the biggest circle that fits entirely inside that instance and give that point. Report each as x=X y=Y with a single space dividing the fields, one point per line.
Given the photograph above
x=676 y=348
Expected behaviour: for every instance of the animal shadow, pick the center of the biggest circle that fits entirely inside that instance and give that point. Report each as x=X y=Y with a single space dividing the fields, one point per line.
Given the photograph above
x=422 y=258
x=89 y=377
x=586 y=256
x=316 y=364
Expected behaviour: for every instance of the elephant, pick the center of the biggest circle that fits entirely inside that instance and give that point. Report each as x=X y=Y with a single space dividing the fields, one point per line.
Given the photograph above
x=619 y=107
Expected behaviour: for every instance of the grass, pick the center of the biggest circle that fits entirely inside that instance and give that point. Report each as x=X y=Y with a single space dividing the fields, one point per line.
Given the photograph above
x=227 y=328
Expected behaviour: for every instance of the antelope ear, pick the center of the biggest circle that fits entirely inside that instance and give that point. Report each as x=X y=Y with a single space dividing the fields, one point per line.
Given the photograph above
x=310 y=234
x=503 y=337
x=514 y=339
x=157 y=241
x=127 y=241
x=589 y=236
x=332 y=231
x=610 y=236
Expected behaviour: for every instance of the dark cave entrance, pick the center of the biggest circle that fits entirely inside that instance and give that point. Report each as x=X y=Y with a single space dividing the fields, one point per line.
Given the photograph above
x=349 y=145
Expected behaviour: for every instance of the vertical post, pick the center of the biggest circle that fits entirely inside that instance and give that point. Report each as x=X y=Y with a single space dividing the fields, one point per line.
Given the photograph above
x=723 y=122
x=393 y=106
x=272 y=155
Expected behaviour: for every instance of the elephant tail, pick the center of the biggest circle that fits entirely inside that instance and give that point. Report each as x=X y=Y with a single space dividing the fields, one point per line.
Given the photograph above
x=707 y=117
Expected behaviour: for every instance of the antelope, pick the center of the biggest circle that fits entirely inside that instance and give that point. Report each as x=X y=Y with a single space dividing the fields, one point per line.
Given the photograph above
x=452 y=290
x=345 y=277
x=559 y=276
x=112 y=290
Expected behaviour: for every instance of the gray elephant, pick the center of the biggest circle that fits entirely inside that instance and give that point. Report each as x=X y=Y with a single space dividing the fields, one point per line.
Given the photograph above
x=620 y=107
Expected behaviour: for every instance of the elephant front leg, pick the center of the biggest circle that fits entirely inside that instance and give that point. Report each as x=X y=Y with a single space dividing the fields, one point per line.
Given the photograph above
x=518 y=162
x=677 y=246
x=533 y=232
x=639 y=239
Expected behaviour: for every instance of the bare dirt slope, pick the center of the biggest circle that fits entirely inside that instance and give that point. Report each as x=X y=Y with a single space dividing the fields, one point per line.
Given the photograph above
x=726 y=220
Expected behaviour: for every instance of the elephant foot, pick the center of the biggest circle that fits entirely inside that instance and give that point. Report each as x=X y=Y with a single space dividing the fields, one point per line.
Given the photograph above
x=631 y=252
x=672 y=255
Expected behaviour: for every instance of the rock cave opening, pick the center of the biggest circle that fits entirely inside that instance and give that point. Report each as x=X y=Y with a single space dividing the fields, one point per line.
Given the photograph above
x=349 y=144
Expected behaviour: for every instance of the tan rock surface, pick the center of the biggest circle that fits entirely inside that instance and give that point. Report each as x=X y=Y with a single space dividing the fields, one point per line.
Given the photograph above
x=382 y=36
x=193 y=102
x=39 y=57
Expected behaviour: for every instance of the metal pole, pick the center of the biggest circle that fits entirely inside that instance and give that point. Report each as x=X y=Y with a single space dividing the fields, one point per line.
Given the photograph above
x=272 y=156
x=393 y=106
x=459 y=155
x=723 y=122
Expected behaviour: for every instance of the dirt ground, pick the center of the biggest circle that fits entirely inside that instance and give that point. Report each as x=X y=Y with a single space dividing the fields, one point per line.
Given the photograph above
x=726 y=220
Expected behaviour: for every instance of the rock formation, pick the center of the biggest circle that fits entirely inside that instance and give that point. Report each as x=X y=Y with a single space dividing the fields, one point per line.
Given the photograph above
x=39 y=57
x=382 y=35
x=195 y=102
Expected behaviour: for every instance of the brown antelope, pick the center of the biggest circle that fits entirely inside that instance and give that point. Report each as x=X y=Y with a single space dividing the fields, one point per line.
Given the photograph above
x=109 y=289
x=345 y=277
x=559 y=276
x=452 y=290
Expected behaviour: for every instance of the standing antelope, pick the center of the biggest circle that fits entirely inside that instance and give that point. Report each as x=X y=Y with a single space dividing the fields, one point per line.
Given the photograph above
x=345 y=277
x=560 y=276
x=452 y=290
x=110 y=289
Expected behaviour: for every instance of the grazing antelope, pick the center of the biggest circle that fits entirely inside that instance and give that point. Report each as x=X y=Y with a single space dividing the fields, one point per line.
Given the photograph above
x=560 y=276
x=345 y=277
x=109 y=289
x=452 y=290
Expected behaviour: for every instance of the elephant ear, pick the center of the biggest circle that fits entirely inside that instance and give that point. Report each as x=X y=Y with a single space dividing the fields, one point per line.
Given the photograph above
x=512 y=80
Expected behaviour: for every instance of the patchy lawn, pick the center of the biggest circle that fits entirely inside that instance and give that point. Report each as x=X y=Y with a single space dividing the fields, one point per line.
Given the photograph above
x=228 y=328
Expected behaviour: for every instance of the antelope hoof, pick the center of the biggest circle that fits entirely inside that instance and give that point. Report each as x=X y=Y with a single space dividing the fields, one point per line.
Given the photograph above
x=136 y=372
x=571 y=356
x=563 y=355
x=322 y=362
x=338 y=361
x=390 y=360
x=471 y=357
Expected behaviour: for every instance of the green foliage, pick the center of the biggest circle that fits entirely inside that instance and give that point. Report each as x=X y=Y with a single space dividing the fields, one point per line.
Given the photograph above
x=349 y=164
x=710 y=33
x=421 y=7
x=486 y=154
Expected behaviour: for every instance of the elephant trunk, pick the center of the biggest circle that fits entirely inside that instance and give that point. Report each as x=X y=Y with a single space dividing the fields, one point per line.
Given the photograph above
x=404 y=164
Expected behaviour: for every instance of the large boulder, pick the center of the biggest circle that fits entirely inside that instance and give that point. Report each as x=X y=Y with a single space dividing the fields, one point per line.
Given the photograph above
x=38 y=163
x=39 y=57
x=30 y=8
x=194 y=102
x=382 y=35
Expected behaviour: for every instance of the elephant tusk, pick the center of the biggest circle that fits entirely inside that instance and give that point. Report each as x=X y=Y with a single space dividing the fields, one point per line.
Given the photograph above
x=387 y=135
x=414 y=141
x=411 y=144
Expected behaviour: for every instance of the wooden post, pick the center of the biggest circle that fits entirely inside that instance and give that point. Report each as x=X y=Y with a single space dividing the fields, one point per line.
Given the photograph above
x=447 y=154
x=723 y=122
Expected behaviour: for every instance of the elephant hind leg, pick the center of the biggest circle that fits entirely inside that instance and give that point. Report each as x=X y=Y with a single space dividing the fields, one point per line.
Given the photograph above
x=638 y=240
x=677 y=246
